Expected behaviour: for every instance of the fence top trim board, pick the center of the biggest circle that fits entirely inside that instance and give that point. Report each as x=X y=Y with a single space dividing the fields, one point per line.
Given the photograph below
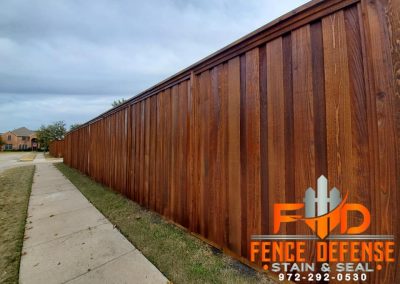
x=298 y=17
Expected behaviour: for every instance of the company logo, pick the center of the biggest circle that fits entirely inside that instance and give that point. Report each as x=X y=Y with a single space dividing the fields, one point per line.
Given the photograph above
x=350 y=255
x=323 y=213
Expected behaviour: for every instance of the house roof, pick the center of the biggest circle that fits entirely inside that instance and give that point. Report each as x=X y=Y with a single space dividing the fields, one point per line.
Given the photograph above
x=23 y=131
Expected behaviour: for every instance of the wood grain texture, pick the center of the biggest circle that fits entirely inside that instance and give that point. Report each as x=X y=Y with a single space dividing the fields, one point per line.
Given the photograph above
x=153 y=154
x=234 y=173
x=174 y=162
x=360 y=147
x=265 y=209
x=252 y=149
x=303 y=106
x=160 y=169
x=243 y=157
x=214 y=175
x=204 y=157
x=338 y=108
x=380 y=96
x=393 y=22
x=191 y=156
x=275 y=127
x=222 y=225
x=318 y=79
x=196 y=166
x=289 y=126
x=132 y=167
x=168 y=170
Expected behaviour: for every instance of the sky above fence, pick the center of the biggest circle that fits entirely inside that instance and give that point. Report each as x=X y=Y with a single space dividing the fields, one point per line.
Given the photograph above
x=68 y=60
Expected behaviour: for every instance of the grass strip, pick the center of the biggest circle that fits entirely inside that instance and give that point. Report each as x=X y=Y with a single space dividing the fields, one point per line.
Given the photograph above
x=181 y=257
x=15 y=189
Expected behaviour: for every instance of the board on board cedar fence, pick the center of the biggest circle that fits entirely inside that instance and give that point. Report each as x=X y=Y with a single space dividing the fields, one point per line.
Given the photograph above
x=56 y=148
x=215 y=146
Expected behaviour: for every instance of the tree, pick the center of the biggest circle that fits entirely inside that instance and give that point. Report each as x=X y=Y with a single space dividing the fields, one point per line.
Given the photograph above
x=74 y=126
x=118 y=102
x=55 y=131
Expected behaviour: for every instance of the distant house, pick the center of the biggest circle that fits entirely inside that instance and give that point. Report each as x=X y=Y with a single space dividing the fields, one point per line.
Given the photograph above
x=20 y=139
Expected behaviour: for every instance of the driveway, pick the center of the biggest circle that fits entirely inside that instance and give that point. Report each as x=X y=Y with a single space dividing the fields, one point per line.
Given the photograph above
x=10 y=159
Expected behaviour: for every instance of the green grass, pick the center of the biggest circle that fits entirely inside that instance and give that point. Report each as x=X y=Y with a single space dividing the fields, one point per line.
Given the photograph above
x=181 y=257
x=15 y=189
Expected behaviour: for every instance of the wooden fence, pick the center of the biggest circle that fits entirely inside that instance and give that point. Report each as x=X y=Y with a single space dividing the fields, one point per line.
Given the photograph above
x=215 y=146
x=56 y=148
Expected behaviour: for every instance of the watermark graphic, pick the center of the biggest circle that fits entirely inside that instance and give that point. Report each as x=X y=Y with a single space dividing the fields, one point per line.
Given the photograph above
x=347 y=256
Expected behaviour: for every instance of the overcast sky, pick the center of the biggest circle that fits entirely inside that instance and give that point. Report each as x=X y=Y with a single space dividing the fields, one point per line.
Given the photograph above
x=69 y=60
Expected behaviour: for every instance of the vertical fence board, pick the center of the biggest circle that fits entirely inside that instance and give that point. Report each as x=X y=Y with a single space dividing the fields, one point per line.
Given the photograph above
x=234 y=147
x=275 y=126
x=338 y=112
x=304 y=158
x=252 y=133
x=360 y=147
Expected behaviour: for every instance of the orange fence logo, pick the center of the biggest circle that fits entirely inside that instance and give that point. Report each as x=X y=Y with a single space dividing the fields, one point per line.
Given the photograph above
x=331 y=211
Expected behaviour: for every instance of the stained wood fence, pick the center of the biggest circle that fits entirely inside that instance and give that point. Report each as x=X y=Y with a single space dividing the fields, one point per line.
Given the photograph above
x=215 y=146
x=56 y=148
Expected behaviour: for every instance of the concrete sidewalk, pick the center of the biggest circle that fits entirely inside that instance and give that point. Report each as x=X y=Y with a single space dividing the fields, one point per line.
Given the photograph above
x=68 y=240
